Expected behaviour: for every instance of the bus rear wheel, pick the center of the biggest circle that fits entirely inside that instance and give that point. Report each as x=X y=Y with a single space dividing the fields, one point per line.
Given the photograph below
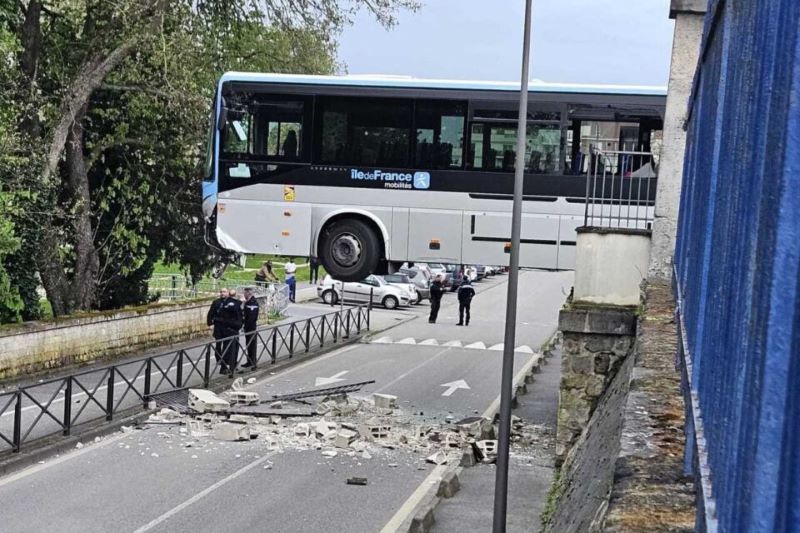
x=349 y=250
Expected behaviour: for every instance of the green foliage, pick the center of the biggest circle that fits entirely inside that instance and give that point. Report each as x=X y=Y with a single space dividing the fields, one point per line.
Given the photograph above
x=10 y=301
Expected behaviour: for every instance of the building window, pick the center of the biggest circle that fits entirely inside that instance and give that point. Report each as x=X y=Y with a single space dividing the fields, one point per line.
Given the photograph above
x=368 y=132
x=440 y=134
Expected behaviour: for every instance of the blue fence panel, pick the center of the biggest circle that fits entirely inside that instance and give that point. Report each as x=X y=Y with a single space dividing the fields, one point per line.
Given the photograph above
x=737 y=260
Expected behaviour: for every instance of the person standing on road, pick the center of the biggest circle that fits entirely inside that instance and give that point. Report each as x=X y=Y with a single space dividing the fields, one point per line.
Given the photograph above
x=290 y=268
x=230 y=319
x=465 y=294
x=250 y=316
x=313 y=266
x=436 y=299
x=216 y=327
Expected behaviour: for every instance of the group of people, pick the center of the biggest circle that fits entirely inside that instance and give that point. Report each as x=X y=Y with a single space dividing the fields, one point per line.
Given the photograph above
x=226 y=317
x=266 y=275
x=465 y=294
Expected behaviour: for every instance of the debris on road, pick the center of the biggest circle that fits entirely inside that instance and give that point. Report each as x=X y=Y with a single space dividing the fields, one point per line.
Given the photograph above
x=385 y=401
x=232 y=432
x=203 y=401
x=356 y=481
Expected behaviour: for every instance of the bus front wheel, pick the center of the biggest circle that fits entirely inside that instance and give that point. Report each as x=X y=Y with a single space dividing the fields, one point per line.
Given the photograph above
x=349 y=250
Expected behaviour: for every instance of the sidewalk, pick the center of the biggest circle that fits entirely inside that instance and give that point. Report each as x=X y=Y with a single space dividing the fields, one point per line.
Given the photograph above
x=530 y=473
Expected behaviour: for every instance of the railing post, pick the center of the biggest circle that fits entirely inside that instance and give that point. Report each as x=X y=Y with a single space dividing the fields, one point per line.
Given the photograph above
x=68 y=406
x=369 y=308
x=174 y=287
x=291 y=340
x=274 y=354
x=322 y=331
x=308 y=334
x=148 y=371
x=110 y=394
x=358 y=320
x=179 y=370
x=335 y=327
x=17 y=438
x=207 y=369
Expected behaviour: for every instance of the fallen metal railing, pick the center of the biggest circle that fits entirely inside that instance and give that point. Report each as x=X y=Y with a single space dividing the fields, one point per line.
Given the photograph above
x=57 y=406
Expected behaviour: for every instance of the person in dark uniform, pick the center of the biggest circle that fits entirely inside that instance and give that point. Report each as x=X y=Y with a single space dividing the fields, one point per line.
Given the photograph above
x=313 y=265
x=465 y=295
x=214 y=325
x=436 y=298
x=230 y=319
x=250 y=316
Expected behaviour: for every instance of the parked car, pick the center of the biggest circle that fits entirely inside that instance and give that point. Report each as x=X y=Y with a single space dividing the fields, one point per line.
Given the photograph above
x=471 y=272
x=490 y=271
x=389 y=296
x=456 y=276
x=480 y=270
x=420 y=280
x=404 y=282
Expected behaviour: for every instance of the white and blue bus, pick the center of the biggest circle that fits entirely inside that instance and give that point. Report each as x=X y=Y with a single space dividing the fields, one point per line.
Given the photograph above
x=369 y=172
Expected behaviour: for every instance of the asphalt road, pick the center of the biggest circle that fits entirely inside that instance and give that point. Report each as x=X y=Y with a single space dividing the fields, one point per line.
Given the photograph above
x=150 y=481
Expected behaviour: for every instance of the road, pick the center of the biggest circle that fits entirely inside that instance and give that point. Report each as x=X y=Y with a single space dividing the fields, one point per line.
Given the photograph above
x=150 y=481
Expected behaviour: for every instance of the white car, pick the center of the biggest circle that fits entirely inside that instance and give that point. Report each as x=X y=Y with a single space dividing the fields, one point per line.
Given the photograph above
x=471 y=272
x=389 y=296
x=404 y=282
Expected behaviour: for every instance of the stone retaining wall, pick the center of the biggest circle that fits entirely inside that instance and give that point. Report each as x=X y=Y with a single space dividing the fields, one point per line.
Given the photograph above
x=46 y=346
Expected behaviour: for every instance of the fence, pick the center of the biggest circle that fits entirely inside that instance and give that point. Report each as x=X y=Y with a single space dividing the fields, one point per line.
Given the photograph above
x=175 y=287
x=737 y=269
x=620 y=190
x=59 y=405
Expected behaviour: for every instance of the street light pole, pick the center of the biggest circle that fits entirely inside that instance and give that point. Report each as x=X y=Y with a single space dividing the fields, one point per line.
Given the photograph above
x=501 y=477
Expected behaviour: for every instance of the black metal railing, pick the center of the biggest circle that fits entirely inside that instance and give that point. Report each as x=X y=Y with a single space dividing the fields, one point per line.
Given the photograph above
x=59 y=405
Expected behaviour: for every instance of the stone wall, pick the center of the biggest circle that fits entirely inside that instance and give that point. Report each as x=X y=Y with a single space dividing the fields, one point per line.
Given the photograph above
x=596 y=341
x=46 y=346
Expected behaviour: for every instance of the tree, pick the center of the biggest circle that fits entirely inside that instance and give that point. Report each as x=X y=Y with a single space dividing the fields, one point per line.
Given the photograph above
x=111 y=103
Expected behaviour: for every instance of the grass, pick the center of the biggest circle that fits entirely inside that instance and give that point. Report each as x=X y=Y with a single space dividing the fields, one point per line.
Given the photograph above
x=239 y=275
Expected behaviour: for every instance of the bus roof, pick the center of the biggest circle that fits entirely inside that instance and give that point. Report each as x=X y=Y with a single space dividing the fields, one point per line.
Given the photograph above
x=390 y=81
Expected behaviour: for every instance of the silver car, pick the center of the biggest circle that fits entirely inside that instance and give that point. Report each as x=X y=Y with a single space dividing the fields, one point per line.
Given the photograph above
x=420 y=280
x=389 y=296
x=404 y=282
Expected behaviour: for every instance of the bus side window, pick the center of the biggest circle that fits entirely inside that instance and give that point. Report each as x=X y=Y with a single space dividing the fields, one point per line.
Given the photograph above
x=279 y=129
x=494 y=147
x=440 y=134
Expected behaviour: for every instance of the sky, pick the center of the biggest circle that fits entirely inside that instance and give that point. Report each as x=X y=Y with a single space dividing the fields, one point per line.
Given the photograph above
x=577 y=41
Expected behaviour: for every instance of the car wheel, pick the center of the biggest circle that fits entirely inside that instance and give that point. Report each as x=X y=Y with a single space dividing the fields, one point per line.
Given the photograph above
x=330 y=297
x=390 y=302
x=349 y=250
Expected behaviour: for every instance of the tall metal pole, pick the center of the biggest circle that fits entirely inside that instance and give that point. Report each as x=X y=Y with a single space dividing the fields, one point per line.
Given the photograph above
x=506 y=384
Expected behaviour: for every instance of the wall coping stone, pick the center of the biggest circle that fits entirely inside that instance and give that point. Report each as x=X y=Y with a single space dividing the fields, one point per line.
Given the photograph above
x=598 y=319
x=680 y=7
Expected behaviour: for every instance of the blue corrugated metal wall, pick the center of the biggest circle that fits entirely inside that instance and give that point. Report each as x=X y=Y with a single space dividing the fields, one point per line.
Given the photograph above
x=737 y=260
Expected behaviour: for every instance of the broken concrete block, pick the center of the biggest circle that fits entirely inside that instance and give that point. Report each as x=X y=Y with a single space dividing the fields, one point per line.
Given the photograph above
x=385 y=401
x=468 y=457
x=202 y=400
x=232 y=432
x=242 y=397
x=356 y=481
x=276 y=405
x=302 y=429
x=344 y=437
x=330 y=453
x=487 y=450
x=453 y=440
x=238 y=384
x=323 y=427
x=250 y=381
x=242 y=419
x=438 y=458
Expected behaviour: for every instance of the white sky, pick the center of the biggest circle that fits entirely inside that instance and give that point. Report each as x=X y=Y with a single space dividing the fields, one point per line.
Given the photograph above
x=583 y=41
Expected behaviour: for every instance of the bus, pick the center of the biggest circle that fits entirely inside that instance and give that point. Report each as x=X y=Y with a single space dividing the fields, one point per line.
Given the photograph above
x=368 y=172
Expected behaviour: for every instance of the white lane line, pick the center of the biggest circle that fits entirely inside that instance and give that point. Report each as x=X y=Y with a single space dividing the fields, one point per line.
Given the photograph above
x=414 y=369
x=58 y=460
x=202 y=494
x=394 y=523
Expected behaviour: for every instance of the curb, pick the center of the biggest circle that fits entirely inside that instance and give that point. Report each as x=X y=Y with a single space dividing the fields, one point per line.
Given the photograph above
x=57 y=444
x=421 y=519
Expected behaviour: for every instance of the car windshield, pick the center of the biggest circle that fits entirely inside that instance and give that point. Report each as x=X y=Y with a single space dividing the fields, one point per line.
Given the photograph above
x=410 y=273
x=436 y=266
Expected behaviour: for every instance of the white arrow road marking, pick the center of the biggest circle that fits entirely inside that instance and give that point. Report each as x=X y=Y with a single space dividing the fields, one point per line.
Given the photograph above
x=333 y=379
x=497 y=347
x=407 y=340
x=429 y=342
x=453 y=386
x=524 y=349
x=453 y=344
x=383 y=340
x=476 y=346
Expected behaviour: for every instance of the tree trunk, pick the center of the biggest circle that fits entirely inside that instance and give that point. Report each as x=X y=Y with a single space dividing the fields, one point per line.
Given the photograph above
x=87 y=263
x=31 y=39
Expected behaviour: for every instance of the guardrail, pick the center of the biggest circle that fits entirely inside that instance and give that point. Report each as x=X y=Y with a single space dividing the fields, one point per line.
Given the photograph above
x=59 y=405
x=620 y=190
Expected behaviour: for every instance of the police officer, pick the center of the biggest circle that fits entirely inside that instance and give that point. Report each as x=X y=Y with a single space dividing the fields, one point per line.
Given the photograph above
x=230 y=319
x=214 y=325
x=250 y=315
x=465 y=295
x=436 y=299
